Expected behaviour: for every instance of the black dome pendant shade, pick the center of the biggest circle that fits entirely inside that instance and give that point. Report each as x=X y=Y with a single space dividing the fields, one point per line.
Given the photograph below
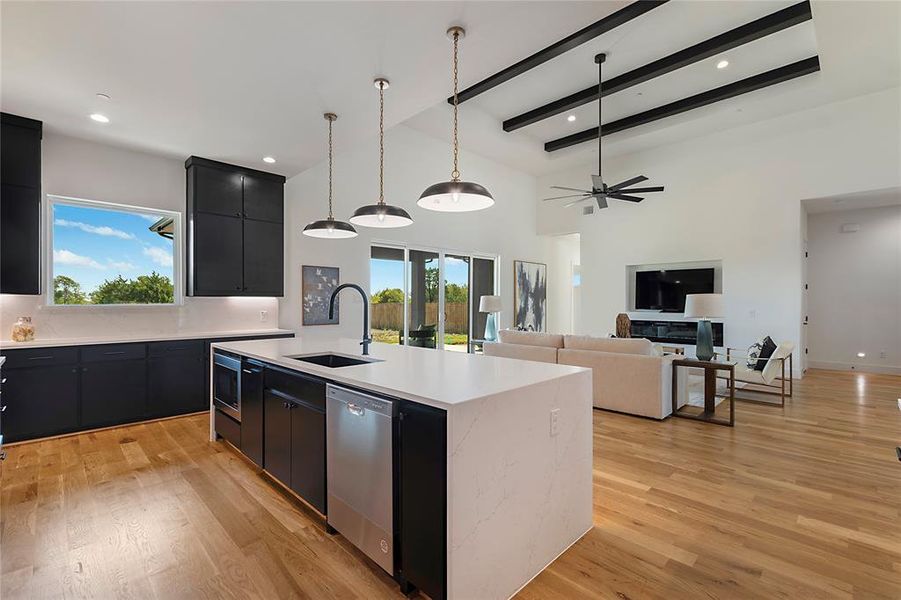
x=455 y=195
x=330 y=228
x=380 y=214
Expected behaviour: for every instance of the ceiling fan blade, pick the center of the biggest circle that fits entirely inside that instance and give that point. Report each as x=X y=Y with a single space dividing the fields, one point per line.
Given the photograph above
x=597 y=182
x=625 y=197
x=562 y=197
x=627 y=183
x=560 y=187
x=574 y=202
x=602 y=201
x=642 y=190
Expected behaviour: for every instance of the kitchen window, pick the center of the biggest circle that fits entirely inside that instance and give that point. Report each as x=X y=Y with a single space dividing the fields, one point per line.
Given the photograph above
x=101 y=253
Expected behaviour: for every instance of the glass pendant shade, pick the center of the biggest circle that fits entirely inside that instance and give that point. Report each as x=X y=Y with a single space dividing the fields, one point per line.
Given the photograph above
x=330 y=229
x=381 y=215
x=455 y=196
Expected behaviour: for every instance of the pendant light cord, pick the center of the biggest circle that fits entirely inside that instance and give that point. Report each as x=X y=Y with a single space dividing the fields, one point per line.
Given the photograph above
x=381 y=143
x=600 y=121
x=455 y=175
x=330 y=217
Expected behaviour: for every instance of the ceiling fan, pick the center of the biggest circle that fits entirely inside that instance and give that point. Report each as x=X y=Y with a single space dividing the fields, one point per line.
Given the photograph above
x=600 y=191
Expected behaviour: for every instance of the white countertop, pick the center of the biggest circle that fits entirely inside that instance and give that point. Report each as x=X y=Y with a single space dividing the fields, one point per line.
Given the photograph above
x=434 y=377
x=121 y=339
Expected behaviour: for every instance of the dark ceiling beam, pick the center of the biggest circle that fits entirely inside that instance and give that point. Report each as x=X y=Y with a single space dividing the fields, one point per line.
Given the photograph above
x=749 y=84
x=612 y=21
x=734 y=38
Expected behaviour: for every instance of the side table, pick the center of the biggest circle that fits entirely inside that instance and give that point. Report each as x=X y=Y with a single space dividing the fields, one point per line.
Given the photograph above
x=711 y=368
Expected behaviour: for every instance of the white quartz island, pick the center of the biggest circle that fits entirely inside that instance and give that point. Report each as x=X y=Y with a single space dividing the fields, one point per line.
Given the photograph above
x=519 y=450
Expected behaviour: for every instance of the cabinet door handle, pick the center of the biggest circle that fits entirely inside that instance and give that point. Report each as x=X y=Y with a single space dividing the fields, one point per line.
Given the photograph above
x=3 y=380
x=40 y=357
x=114 y=353
x=84 y=369
x=3 y=408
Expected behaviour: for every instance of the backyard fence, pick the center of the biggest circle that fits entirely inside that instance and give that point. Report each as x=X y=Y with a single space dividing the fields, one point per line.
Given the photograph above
x=390 y=315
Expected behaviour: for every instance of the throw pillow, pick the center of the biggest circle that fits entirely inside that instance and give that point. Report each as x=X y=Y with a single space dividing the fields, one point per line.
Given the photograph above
x=766 y=351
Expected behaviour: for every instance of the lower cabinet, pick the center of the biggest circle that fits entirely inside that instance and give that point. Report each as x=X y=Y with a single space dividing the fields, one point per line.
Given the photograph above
x=113 y=392
x=39 y=401
x=294 y=444
x=422 y=458
x=175 y=386
x=252 y=411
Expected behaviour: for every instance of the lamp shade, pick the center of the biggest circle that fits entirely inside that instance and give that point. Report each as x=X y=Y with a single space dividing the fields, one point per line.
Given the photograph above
x=490 y=304
x=703 y=306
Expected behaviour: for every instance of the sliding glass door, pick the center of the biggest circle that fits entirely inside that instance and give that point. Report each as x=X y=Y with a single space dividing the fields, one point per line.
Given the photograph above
x=429 y=298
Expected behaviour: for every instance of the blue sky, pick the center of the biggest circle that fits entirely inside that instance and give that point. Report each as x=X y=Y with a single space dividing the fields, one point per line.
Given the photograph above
x=94 y=244
x=390 y=273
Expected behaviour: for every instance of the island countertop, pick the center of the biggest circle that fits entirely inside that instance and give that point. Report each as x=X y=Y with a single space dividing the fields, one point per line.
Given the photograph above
x=434 y=377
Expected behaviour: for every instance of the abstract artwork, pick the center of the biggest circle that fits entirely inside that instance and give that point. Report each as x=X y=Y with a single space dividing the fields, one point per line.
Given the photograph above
x=529 y=295
x=318 y=285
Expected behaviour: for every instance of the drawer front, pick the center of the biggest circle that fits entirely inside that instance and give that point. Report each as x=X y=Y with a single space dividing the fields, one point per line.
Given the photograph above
x=228 y=428
x=39 y=357
x=176 y=348
x=308 y=390
x=113 y=352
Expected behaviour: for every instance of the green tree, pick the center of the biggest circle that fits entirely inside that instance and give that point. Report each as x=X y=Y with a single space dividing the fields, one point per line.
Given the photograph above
x=455 y=293
x=67 y=291
x=146 y=289
x=388 y=296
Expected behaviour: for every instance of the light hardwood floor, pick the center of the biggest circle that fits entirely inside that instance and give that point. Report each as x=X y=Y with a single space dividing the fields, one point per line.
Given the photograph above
x=798 y=503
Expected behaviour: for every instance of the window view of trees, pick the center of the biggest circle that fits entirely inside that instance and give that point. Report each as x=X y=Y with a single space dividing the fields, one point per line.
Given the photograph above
x=144 y=289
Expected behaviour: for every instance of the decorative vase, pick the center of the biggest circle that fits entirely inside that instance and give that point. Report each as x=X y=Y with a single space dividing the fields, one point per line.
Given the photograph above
x=704 y=347
x=491 y=328
x=23 y=330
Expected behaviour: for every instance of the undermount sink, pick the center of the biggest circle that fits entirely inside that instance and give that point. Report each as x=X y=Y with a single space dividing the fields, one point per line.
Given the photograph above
x=334 y=361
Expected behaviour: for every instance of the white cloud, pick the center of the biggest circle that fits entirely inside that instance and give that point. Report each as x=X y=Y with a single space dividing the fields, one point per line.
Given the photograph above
x=67 y=257
x=150 y=218
x=103 y=230
x=158 y=255
x=121 y=266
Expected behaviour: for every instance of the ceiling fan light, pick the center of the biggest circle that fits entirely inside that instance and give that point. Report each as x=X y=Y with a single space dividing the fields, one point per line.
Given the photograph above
x=381 y=215
x=455 y=196
x=330 y=229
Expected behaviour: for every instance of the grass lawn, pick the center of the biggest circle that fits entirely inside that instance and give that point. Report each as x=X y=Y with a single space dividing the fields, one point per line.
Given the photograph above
x=392 y=336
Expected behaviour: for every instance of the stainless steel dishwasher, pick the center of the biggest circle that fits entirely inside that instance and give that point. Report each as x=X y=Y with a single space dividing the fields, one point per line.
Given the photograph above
x=359 y=471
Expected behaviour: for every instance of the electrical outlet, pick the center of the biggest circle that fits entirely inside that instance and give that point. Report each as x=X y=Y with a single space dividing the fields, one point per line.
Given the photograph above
x=555 y=421
x=264 y=316
x=882 y=354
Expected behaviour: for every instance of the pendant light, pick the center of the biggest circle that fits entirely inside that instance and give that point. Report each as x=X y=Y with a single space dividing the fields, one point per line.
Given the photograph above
x=381 y=214
x=455 y=195
x=330 y=228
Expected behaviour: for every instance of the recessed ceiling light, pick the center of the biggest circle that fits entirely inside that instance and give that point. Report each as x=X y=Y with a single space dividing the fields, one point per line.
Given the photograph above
x=100 y=118
x=722 y=64
x=571 y=118
x=268 y=159
x=103 y=96
x=861 y=355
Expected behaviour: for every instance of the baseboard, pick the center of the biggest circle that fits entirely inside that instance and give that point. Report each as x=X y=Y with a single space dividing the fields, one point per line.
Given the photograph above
x=837 y=366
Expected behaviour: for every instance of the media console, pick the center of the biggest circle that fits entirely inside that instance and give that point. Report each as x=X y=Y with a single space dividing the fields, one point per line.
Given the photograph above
x=674 y=332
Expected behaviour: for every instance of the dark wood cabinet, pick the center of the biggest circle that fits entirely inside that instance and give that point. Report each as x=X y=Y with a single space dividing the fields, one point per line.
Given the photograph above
x=294 y=445
x=217 y=255
x=175 y=385
x=39 y=401
x=20 y=205
x=113 y=392
x=252 y=411
x=263 y=258
x=422 y=466
x=236 y=230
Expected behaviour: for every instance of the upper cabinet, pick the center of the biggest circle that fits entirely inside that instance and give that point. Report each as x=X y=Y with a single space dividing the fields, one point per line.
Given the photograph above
x=20 y=205
x=235 y=230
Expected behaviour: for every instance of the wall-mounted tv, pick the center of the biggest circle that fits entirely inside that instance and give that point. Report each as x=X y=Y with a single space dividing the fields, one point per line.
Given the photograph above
x=666 y=290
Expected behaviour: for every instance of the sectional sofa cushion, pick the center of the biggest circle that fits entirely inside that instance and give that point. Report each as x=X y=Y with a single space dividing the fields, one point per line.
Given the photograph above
x=521 y=351
x=618 y=345
x=530 y=338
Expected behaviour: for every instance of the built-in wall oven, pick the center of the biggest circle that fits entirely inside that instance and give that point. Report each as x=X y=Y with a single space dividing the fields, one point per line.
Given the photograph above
x=227 y=384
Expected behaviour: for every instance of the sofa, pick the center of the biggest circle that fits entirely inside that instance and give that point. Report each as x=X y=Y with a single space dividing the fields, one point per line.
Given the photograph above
x=629 y=375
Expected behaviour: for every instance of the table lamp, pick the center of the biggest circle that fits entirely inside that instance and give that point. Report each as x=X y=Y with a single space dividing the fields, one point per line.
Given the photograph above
x=491 y=305
x=704 y=307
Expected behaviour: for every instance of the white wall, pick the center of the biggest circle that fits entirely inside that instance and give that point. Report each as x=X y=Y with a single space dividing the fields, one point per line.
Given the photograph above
x=413 y=162
x=855 y=290
x=733 y=196
x=563 y=313
x=83 y=169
